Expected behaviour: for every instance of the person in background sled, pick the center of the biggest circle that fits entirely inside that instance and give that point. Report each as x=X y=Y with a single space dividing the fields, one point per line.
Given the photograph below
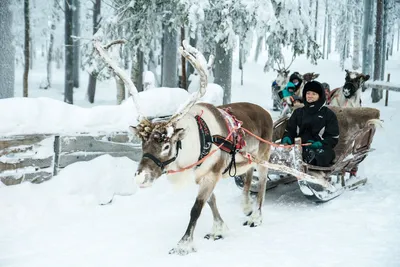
x=327 y=92
x=292 y=86
x=316 y=124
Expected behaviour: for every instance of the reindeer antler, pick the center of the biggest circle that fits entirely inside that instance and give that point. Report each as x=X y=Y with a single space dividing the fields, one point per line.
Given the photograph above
x=198 y=61
x=290 y=64
x=120 y=72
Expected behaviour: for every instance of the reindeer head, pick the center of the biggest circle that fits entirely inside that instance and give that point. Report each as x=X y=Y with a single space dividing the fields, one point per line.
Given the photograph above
x=161 y=140
x=353 y=82
x=161 y=143
x=283 y=72
x=283 y=77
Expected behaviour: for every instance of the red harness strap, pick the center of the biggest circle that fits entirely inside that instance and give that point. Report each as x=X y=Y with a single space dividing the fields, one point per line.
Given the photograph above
x=237 y=138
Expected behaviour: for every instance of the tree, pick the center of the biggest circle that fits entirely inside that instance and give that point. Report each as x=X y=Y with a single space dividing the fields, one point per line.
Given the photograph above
x=356 y=34
x=76 y=31
x=377 y=94
x=69 y=55
x=26 y=47
x=292 y=28
x=7 y=51
x=367 y=37
x=91 y=91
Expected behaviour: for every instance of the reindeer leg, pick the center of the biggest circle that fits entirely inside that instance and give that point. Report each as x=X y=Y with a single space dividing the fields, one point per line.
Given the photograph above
x=246 y=199
x=219 y=227
x=185 y=245
x=256 y=217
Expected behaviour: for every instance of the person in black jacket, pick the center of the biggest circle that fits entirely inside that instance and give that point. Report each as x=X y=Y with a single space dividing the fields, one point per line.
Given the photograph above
x=315 y=124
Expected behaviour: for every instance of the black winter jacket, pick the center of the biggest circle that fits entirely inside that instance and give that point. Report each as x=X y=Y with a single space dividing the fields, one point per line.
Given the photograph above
x=318 y=126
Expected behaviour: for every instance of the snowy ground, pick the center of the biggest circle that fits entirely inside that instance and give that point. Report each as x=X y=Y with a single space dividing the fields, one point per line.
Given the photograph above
x=59 y=223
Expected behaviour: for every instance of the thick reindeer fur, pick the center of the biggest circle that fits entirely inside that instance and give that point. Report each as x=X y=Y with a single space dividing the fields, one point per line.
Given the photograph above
x=174 y=144
x=255 y=119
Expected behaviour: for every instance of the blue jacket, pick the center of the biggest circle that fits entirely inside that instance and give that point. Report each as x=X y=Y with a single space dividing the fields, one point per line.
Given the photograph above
x=286 y=92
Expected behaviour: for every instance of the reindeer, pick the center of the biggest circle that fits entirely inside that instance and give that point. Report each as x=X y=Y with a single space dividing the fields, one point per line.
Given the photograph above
x=180 y=147
x=280 y=82
x=349 y=95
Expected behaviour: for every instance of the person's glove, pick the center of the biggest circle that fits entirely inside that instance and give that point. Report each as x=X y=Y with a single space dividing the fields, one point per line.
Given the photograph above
x=286 y=140
x=314 y=144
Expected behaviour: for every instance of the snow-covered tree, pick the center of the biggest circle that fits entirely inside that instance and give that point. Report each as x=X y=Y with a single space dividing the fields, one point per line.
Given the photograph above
x=7 y=51
x=292 y=27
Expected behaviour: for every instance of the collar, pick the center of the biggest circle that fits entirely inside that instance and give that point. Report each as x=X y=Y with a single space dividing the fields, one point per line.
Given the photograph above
x=205 y=137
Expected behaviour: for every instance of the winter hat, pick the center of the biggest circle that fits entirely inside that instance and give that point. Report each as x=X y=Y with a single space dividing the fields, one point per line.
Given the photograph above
x=295 y=75
x=316 y=87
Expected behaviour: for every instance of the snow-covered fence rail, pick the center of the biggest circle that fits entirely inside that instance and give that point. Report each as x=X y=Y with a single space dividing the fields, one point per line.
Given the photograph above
x=38 y=157
x=381 y=85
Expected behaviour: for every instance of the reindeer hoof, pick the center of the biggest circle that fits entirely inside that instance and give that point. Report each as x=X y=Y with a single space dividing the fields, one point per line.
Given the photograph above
x=183 y=248
x=214 y=237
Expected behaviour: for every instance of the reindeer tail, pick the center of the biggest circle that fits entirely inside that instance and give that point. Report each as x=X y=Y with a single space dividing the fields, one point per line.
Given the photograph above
x=375 y=122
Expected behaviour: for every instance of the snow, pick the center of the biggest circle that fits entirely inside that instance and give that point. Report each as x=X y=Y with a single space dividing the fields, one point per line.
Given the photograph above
x=46 y=115
x=60 y=222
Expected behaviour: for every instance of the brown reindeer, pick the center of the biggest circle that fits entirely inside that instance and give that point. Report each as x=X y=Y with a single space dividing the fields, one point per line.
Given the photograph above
x=201 y=141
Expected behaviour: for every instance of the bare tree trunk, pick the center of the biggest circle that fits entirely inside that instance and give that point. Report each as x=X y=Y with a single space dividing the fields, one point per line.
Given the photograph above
x=377 y=94
x=398 y=35
x=137 y=70
x=316 y=20
x=258 y=48
x=7 y=51
x=69 y=55
x=91 y=91
x=169 y=58
x=241 y=52
x=50 y=53
x=325 y=29
x=367 y=37
x=120 y=90
x=223 y=70
x=391 y=46
x=26 y=47
x=76 y=31
x=183 y=62
x=329 y=48
x=92 y=87
x=356 y=37
x=384 y=39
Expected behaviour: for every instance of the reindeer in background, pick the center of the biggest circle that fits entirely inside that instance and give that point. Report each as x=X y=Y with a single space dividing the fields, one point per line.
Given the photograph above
x=349 y=95
x=203 y=142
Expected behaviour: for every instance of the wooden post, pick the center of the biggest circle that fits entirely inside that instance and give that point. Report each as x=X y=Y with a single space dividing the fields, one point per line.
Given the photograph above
x=387 y=91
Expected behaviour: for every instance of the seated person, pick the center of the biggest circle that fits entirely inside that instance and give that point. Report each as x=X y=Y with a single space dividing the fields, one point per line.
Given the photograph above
x=315 y=124
x=293 y=85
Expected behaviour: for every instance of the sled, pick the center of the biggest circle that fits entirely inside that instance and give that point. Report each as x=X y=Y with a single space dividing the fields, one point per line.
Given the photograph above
x=351 y=150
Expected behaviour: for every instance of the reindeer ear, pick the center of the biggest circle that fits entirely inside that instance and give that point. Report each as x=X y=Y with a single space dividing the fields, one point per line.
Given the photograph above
x=366 y=77
x=134 y=130
x=179 y=133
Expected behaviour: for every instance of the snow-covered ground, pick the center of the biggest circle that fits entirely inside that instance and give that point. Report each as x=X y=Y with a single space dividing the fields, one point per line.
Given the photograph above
x=60 y=223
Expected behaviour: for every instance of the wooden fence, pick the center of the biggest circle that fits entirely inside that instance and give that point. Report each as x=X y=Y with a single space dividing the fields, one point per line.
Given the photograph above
x=38 y=157
x=381 y=85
